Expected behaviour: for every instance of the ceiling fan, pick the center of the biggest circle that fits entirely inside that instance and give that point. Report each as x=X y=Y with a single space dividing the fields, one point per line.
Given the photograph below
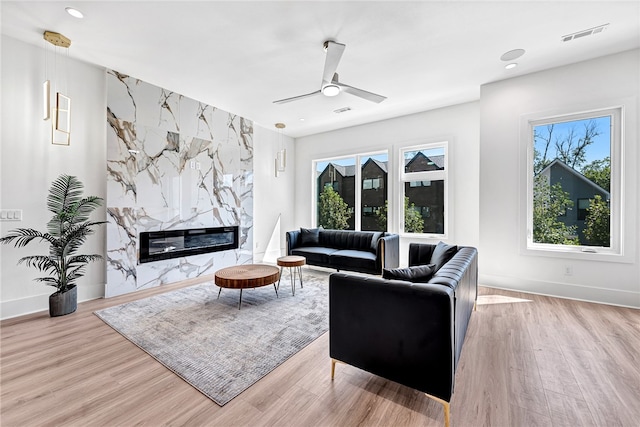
x=330 y=84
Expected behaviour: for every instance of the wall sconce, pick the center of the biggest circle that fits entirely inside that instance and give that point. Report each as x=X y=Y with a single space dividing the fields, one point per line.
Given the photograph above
x=61 y=113
x=281 y=154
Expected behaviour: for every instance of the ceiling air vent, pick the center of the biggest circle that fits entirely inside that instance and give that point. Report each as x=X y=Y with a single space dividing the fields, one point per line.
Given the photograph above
x=342 y=110
x=584 y=33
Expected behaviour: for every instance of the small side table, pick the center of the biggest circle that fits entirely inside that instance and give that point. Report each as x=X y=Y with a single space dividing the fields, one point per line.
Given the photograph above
x=294 y=263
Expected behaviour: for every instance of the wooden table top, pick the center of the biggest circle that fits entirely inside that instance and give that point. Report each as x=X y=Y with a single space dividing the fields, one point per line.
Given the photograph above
x=247 y=276
x=292 y=261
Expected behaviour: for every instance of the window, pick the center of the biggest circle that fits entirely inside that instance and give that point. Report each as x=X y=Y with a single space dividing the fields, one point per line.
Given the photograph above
x=583 y=205
x=574 y=192
x=372 y=184
x=347 y=205
x=424 y=189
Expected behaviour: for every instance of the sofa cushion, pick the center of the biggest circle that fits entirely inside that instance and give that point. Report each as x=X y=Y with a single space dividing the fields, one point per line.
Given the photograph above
x=442 y=253
x=353 y=260
x=309 y=236
x=346 y=239
x=417 y=273
x=315 y=255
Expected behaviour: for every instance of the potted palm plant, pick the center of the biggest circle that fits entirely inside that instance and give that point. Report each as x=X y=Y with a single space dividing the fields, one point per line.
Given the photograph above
x=66 y=232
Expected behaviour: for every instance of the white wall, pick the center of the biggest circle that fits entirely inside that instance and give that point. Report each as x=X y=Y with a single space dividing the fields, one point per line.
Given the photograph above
x=603 y=82
x=273 y=201
x=458 y=124
x=29 y=163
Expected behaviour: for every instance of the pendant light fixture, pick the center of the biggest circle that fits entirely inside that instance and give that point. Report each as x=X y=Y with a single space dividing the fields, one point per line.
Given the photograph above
x=61 y=112
x=281 y=154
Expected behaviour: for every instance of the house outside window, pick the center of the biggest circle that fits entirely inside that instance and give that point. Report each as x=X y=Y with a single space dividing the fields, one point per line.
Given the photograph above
x=424 y=189
x=353 y=207
x=574 y=182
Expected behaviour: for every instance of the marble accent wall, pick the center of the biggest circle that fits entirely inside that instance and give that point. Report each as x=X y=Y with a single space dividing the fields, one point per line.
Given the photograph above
x=172 y=163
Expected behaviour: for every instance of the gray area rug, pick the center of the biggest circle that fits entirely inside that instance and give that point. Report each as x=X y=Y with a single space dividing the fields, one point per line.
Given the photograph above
x=217 y=348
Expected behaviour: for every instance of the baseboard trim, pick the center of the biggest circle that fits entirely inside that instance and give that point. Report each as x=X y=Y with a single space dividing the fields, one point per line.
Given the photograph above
x=37 y=303
x=615 y=297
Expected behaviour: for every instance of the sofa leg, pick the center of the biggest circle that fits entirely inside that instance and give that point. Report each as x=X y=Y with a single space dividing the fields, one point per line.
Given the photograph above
x=445 y=405
x=475 y=305
x=333 y=368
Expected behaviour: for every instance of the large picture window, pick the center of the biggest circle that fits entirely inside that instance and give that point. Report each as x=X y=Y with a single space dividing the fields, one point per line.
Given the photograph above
x=424 y=189
x=352 y=197
x=574 y=182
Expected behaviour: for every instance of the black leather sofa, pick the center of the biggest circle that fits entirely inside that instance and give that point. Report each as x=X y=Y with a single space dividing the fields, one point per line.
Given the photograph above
x=361 y=251
x=408 y=332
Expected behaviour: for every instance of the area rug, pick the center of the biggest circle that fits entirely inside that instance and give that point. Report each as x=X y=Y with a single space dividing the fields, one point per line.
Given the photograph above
x=218 y=349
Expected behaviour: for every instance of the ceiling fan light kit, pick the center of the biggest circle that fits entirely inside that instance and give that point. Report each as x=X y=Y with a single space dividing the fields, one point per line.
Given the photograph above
x=330 y=86
x=330 y=90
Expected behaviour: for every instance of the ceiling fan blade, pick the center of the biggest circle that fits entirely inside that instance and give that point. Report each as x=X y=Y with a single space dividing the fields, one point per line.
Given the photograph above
x=369 y=96
x=295 y=98
x=334 y=53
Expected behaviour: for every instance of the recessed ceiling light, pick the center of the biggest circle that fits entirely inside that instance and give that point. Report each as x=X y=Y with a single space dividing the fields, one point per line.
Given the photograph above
x=74 y=12
x=301 y=119
x=511 y=66
x=512 y=54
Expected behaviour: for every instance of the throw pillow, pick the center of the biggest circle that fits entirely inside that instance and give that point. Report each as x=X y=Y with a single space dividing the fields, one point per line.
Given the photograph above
x=442 y=254
x=309 y=236
x=417 y=273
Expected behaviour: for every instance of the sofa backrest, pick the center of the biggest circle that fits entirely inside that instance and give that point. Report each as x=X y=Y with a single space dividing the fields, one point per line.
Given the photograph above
x=451 y=273
x=349 y=239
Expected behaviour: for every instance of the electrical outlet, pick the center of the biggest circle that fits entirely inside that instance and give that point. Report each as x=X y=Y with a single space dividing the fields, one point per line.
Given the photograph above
x=568 y=270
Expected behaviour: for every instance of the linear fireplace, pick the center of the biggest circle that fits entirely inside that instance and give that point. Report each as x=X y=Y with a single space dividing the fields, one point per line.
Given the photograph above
x=158 y=245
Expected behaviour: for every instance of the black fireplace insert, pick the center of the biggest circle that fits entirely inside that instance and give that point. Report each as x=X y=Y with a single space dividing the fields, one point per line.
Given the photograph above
x=158 y=245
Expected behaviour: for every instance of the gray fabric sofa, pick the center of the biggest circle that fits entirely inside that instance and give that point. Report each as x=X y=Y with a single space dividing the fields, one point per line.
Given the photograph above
x=410 y=332
x=361 y=251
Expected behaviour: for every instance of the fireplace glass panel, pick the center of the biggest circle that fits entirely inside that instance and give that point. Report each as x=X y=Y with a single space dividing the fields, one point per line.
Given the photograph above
x=158 y=245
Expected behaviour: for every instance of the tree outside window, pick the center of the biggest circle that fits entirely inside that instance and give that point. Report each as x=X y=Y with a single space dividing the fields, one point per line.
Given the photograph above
x=333 y=211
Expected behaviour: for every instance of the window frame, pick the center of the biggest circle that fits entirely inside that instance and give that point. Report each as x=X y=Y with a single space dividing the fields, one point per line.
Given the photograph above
x=528 y=123
x=358 y=183
x=424 y=176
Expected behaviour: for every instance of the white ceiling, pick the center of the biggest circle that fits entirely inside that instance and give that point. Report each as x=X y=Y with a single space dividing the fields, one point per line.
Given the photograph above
x=241 y=56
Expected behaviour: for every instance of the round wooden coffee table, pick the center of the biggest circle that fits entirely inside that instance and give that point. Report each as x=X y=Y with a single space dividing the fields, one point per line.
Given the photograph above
x=294 y=262
x=247 y=276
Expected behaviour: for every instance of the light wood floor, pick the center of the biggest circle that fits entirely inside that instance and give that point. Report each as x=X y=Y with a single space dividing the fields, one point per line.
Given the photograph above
x=539 y=362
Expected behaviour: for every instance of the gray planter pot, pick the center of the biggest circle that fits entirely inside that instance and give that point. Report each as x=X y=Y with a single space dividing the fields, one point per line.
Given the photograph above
x=63 y=303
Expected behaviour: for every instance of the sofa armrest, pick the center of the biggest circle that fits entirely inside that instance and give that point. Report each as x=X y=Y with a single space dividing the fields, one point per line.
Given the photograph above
x=398 y=330
x=388 y=252
x=293 y=240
